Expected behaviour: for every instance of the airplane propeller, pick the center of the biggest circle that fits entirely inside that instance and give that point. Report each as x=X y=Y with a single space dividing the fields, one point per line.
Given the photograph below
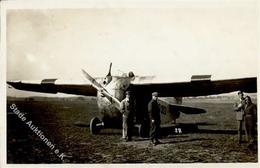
x=108 y=78
x=109 y=71
x=101 y=89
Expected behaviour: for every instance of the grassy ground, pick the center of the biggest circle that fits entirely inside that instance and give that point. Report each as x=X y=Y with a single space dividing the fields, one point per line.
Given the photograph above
x=214 y=142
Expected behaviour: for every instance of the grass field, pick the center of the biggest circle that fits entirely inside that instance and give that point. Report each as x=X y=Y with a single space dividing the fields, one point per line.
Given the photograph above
x=214 y=142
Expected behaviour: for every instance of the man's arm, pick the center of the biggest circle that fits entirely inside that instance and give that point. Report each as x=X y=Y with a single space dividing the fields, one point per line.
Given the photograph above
x=134 y=111
x=122 y=107
x=150 y=111
x=238 y=107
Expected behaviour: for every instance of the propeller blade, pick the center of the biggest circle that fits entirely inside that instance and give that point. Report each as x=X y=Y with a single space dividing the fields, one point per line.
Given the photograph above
x=101 y=89
x=109 y=71
x=111 y=98
x=92 y=80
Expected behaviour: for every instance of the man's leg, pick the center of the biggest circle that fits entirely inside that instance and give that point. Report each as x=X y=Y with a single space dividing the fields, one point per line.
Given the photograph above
x=157 y=133
x=239 y=122
x=152 y=132
x=249 y=128
x=124 y=127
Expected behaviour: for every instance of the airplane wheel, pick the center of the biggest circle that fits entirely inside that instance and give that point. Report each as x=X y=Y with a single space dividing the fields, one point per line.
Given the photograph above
x=95 y=125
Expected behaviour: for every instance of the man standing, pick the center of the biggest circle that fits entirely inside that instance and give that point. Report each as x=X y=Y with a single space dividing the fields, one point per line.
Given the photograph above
x=239 y=108
x=127 y=108
x=155 y=118
x=250 y=121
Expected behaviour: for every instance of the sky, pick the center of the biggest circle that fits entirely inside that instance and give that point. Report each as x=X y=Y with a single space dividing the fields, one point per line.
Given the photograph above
x=171 y=43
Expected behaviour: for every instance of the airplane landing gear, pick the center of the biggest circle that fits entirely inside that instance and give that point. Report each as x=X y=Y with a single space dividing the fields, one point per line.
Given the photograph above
x=95 y=125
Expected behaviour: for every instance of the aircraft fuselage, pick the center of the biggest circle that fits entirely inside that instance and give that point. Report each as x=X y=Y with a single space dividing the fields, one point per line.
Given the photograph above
x=117 y=86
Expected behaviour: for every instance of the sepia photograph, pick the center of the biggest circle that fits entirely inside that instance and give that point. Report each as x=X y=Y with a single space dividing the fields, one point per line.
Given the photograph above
x=164 y=82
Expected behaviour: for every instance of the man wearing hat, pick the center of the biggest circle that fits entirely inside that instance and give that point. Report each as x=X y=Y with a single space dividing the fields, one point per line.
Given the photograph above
x=127 y=108
x=155 y=118
x=239 y=108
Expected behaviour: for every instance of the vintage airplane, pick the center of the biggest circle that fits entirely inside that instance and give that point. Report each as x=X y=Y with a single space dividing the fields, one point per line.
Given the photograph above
x=111 y=90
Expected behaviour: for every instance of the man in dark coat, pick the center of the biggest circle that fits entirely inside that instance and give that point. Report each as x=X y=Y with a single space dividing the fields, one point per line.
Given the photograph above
x=250 y=121
x=155 y=118
x=127 y=108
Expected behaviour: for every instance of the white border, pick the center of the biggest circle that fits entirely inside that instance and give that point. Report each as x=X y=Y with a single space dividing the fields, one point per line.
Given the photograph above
x=37 y=4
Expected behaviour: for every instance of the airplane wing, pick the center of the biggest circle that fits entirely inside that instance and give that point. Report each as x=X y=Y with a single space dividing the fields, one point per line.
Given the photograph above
x=187 y=109
x=55 y=86
x=182 y=108
x=196 y=87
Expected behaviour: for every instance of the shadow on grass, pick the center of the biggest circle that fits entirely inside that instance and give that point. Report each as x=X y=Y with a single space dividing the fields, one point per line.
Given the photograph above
x=189 y=140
